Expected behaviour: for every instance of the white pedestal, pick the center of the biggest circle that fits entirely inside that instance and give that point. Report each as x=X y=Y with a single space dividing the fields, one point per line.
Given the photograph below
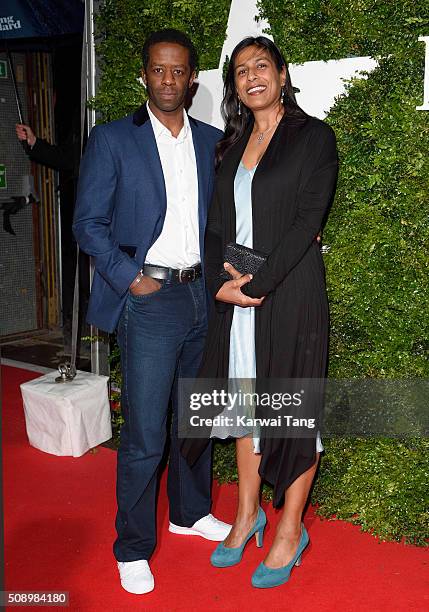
x=67 y=418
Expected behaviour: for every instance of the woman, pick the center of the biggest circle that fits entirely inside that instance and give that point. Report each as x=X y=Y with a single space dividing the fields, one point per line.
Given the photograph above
x=275 y=181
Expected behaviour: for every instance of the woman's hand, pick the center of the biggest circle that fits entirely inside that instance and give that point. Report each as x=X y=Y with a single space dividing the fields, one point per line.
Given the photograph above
x=230 y=291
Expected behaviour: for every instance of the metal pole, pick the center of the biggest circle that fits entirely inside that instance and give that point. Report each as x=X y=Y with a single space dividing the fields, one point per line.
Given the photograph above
x=100 y=342
x=24 y=143
x=15 y=88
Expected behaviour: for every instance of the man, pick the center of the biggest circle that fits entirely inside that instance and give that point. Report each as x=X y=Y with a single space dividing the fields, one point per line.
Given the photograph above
x=144 y=190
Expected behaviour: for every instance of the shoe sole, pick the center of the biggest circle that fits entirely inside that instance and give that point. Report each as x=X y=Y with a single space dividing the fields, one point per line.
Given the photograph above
x=138 y=592
x=191 y=532
x=224 y=565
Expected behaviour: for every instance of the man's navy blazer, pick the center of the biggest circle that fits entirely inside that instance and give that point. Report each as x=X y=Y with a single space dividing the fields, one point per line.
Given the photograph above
x=121 y=204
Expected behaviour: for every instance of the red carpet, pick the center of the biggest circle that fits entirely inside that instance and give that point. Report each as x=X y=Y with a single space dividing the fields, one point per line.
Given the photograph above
x=59 y=514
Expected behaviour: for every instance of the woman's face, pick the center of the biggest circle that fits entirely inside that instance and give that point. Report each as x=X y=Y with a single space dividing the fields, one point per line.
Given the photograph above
x=257 y=79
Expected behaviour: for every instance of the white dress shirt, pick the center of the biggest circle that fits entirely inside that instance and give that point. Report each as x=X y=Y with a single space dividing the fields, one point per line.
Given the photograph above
x=178 y=244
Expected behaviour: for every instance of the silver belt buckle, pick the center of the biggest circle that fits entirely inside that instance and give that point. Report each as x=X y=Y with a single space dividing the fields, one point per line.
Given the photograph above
x=187 y=271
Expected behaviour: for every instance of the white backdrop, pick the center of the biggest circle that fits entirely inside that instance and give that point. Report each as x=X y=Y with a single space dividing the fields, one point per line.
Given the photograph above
x=319 y=82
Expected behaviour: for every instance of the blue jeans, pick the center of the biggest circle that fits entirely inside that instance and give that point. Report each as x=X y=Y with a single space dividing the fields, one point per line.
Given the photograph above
x=161 y=337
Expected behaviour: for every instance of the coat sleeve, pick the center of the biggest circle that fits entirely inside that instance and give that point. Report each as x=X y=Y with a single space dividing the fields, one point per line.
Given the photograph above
x=58 y=157
x=313 y=202
x=94 y=211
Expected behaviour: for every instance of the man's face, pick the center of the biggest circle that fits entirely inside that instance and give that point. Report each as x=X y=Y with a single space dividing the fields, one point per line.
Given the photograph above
x=168 y=76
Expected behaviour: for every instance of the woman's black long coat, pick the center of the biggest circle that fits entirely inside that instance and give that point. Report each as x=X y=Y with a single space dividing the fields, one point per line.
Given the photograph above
x=292 y=189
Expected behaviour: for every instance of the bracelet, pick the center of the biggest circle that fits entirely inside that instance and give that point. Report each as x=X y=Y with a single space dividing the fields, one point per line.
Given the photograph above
x=137 y=279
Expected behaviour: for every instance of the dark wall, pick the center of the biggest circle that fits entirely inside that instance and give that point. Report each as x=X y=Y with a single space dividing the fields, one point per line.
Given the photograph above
x=67 y=85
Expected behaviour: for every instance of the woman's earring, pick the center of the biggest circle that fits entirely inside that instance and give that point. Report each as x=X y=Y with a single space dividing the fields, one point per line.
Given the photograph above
x=239 y=107
x=283 y=94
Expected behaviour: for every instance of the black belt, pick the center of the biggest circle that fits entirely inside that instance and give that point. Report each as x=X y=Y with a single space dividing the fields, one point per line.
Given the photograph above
x=184 y=275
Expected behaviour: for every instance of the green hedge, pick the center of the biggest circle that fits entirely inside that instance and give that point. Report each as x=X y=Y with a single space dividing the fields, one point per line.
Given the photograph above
x=378 y=230
x=121 y=28
x=313 y=30
x=381 y=485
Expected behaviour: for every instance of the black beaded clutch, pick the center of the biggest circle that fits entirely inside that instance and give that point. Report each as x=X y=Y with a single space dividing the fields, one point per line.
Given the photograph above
x=245 y=260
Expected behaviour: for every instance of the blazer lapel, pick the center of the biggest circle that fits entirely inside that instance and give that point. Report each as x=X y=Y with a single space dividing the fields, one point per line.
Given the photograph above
x=146 y=143
x=148 y=151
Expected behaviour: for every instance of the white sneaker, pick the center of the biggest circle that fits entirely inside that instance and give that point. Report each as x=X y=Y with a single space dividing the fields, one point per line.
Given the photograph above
x=207 y=527
x=136 y=576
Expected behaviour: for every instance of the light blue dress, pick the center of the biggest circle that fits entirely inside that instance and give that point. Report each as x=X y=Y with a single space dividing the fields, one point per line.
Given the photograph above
x=242 y=360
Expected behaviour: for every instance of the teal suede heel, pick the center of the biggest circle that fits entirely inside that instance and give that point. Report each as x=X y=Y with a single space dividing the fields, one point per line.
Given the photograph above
x=265 y=577
x=226 y=557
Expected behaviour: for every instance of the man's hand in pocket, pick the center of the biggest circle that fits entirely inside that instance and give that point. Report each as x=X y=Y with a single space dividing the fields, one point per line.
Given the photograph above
x=143 y=285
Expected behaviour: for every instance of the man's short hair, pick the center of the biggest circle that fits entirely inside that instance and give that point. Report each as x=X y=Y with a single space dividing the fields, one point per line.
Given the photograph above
x=170 y=35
